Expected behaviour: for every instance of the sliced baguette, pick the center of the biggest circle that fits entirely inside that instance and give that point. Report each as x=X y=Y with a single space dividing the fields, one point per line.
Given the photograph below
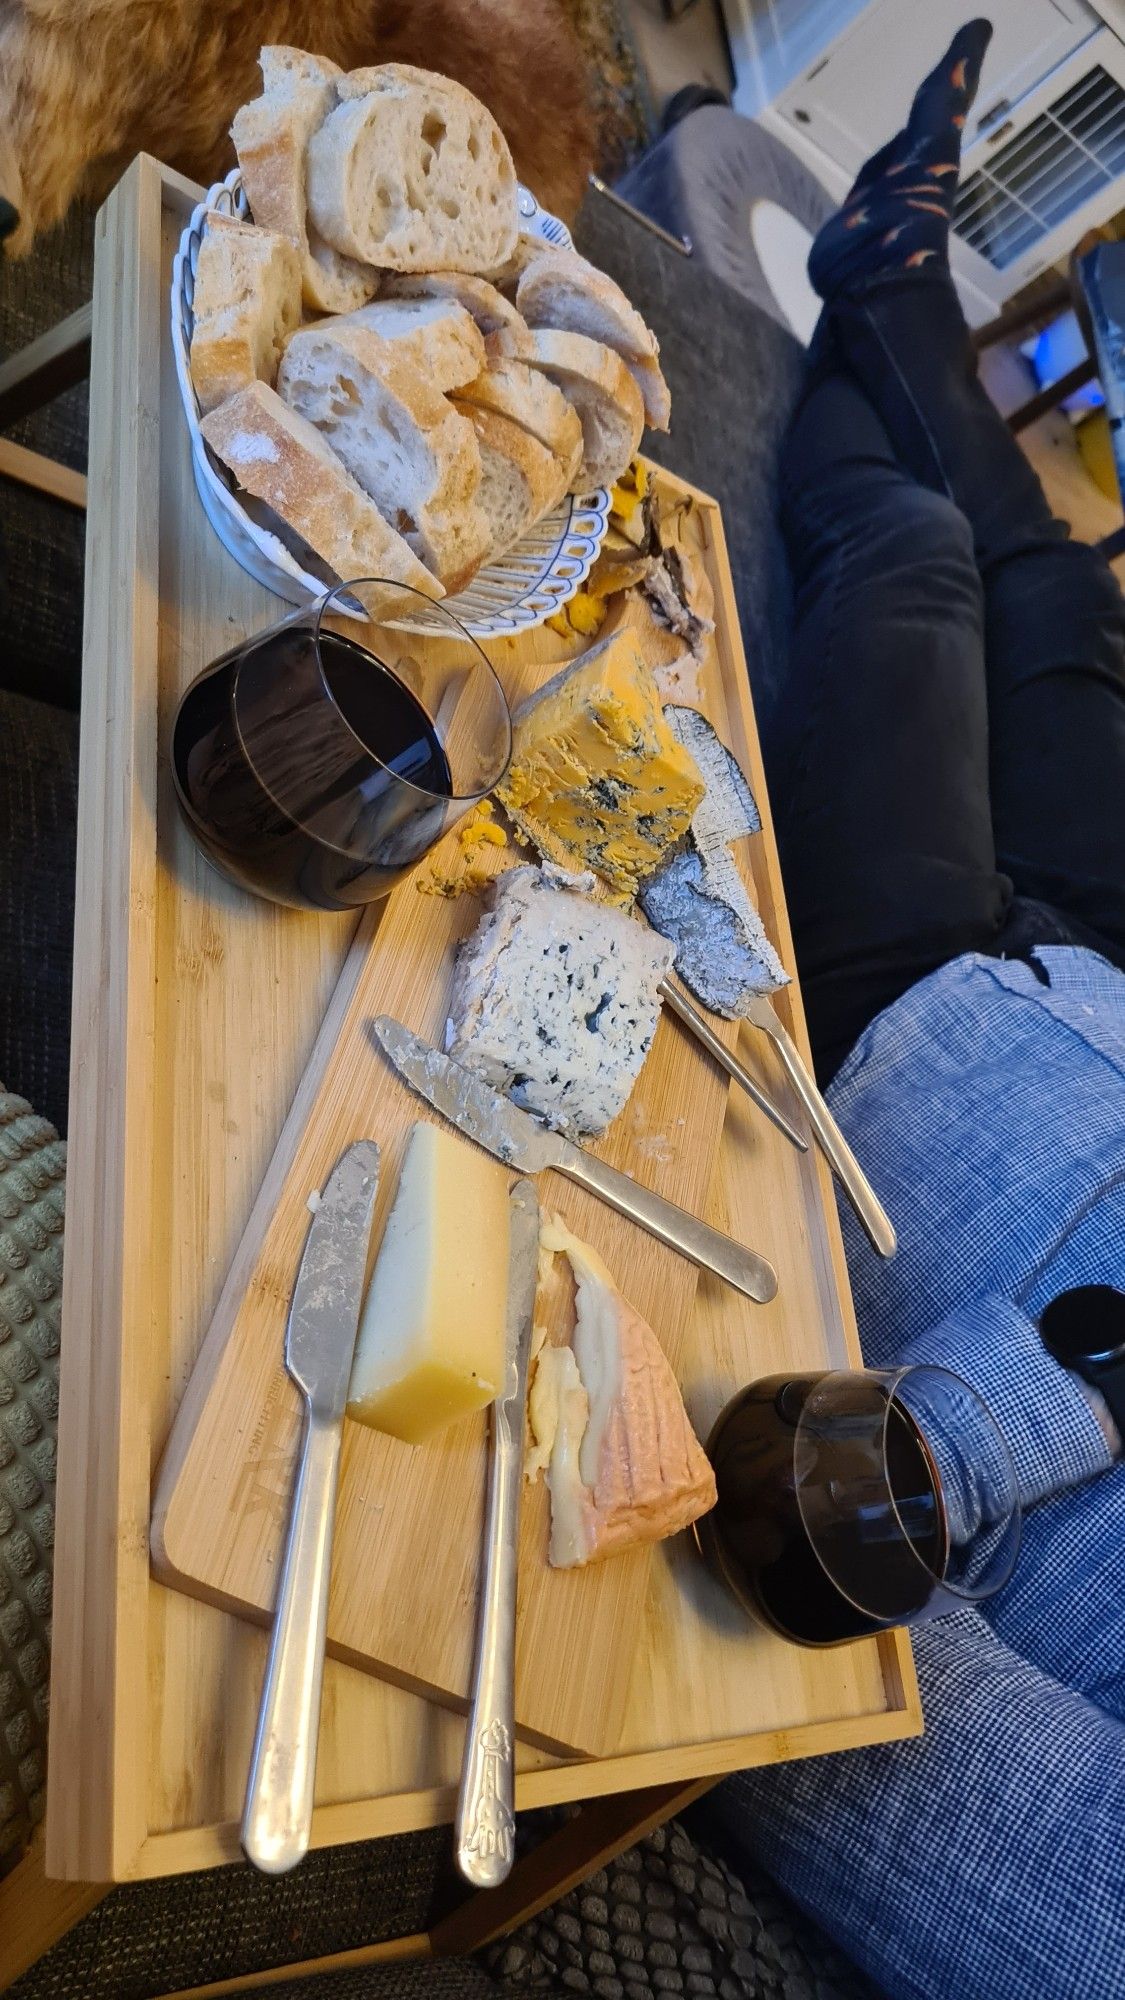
x=603 y=392
x=270 y=136
x=411 y=173
x=285 y=463
x=246 y=303
x=436 y=336
x=531 y=400
x=492 y=312
x=528 y=247
x=520 y=479
x=561 y=290
x=401 y=441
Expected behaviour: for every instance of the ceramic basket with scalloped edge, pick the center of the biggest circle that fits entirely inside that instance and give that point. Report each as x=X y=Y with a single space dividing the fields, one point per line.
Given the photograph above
x=517 y=591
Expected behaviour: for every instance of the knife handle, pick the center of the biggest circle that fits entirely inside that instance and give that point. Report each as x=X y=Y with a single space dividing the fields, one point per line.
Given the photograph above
x=696 y=1240
x=277 y=1815
x=873 y=1217
x=485 y=1828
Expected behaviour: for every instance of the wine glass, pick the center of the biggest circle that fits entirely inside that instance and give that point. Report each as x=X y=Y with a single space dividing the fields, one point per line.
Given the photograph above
x=319 y=761
x=854 y=1500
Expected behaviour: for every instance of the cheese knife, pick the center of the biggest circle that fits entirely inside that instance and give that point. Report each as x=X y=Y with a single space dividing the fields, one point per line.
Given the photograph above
x=674 y=997
x=485 y=1829
x=519 y=1140
x=320 y=1337
x=873 y=1217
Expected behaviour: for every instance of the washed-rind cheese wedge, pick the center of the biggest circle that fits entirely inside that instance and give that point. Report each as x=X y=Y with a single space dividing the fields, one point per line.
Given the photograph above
x=623 y=1463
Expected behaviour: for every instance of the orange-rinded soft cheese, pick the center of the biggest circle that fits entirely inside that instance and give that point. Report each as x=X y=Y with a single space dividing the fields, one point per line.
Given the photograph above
x=624 y=1465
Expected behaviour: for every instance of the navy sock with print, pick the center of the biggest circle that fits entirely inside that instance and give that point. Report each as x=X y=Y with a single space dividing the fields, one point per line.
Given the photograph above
x=896 y=217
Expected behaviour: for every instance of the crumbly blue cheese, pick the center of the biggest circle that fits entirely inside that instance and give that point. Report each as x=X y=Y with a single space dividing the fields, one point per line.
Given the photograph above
x=556 y=999
x=698 y=898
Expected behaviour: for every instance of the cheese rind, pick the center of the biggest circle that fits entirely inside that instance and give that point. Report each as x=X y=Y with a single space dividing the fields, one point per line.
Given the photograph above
x=597 y=779
x=608 y=1420
x=556 y=999
x=431 y=1336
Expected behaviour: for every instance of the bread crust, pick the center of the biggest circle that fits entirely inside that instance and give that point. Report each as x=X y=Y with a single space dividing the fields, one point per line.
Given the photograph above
x=410 y=172
x=246 y=303
x=282 y=460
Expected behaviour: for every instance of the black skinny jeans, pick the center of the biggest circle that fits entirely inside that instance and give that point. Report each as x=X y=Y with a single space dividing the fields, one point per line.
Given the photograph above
x=947 y=761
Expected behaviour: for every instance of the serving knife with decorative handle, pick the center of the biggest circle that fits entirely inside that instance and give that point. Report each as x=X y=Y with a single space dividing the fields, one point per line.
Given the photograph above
x=484 y=1834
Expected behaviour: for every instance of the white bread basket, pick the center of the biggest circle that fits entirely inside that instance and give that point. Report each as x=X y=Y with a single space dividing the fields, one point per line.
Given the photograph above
x=510 y=595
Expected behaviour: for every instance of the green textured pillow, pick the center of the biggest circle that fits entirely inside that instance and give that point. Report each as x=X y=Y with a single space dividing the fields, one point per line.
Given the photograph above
x=32 y=1197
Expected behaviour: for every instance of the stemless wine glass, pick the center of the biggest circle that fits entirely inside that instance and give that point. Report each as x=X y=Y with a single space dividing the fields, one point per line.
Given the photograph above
x=860 y=1499
x=319 y=761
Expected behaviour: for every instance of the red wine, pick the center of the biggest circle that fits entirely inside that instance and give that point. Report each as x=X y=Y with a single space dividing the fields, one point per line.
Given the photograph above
x=312 y=776
x=756 y=1540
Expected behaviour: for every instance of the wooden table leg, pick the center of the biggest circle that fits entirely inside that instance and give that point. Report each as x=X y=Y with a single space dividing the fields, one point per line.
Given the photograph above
x=54 y=362
x=35 y=1913
x=603 y=1829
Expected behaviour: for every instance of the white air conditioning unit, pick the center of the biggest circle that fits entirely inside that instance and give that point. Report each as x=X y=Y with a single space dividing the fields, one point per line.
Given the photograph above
x=1044 y=153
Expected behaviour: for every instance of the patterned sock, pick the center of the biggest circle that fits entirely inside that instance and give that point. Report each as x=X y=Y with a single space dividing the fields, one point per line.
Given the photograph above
x=897 y=214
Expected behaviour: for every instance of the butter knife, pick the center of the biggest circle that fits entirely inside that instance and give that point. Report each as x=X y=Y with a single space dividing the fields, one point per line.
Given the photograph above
x=521 y=1141
x=485 y=1829
x=320 y=1338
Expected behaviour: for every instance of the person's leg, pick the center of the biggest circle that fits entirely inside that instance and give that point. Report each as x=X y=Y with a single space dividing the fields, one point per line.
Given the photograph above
x=1055 y=618
x=879 y=750
x=975 y=1860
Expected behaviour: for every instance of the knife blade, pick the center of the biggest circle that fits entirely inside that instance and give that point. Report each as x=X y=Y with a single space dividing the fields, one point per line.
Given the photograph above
x=320 y=1337
x=519 y=1140
x=485 y=1833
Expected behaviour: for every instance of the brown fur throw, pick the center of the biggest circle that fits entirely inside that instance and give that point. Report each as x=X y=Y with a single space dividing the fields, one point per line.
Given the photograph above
x=86 y=84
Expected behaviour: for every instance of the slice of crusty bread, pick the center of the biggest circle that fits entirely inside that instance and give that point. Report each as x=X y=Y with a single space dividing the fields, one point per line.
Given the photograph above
x=561 y=290
x=411 y=173
x=603 y=392
x=492 y=312
x=531 y=400
x=402 y=442
x=270 y=136
x=285 y=463
x=528 y=247
x=246 y=303
x=435 y=335
x=520 y=479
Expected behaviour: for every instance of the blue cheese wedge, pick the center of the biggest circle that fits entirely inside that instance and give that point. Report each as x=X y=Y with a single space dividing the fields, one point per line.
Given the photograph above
x=698 y=898
x=556 y=999
x=597 y=779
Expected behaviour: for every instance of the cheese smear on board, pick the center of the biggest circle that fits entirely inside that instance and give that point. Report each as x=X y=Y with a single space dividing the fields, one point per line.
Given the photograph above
x=431 y=1337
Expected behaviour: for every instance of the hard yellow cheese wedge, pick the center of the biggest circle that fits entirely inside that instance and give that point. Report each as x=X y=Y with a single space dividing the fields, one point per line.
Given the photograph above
x=597 y=780
x=431 y=1338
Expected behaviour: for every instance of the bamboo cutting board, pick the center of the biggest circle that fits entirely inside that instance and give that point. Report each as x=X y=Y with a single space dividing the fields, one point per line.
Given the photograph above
x=196 y=1012
x=409 y=1524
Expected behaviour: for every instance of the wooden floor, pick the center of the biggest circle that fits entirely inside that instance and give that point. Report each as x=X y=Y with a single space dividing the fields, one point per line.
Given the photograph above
x=1051 y=446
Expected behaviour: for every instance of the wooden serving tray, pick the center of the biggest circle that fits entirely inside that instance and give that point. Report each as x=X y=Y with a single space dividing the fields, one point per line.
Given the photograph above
x=406 y=1558
x=196 y=1012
